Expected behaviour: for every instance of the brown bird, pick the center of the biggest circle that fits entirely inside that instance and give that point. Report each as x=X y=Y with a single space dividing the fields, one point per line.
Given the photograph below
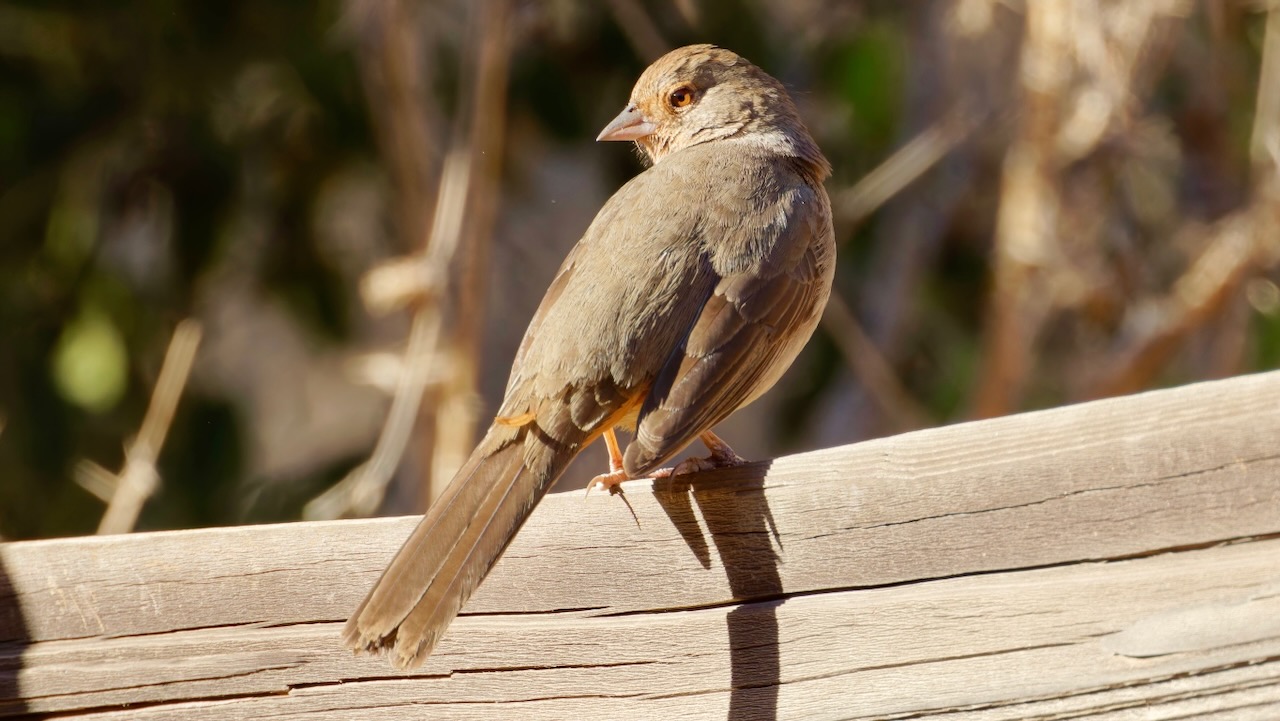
x=691 y=292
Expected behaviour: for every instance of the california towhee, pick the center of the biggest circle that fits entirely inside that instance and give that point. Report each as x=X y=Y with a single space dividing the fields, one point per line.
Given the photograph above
x=691 y=292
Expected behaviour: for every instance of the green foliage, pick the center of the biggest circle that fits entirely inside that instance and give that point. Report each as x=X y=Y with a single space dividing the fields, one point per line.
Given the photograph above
x=115 y=115
x=869 y=71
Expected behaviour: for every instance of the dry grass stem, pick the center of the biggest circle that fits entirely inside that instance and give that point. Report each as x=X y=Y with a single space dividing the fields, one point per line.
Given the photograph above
x=456 y=412
x=1160 y=326
x=127 y=492
x=444 y=286
x=905 y=166
x=396 y=284
x=361 y=491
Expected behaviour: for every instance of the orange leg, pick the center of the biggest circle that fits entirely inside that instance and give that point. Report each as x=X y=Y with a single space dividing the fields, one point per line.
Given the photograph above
x=615 y=476
x=722 y=456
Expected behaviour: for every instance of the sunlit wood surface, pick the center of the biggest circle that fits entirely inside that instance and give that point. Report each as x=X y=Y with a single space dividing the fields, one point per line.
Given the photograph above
x=1112 y=560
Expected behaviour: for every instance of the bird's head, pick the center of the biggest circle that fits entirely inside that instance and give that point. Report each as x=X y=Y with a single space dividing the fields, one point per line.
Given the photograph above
x=701 y=93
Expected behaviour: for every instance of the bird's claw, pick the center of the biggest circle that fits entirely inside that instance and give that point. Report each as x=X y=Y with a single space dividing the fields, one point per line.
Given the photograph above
x=721 y=457
x=611 y=481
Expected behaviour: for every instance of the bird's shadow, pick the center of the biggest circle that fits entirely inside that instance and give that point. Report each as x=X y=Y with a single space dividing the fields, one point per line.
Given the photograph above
x=14 y=639
x=733 y=504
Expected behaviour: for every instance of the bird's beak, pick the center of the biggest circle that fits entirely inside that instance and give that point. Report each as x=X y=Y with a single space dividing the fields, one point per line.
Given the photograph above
x=629 y=125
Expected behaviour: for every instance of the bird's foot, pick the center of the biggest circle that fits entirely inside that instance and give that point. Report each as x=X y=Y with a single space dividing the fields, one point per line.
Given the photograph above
x=611 y=481
x=722 y=456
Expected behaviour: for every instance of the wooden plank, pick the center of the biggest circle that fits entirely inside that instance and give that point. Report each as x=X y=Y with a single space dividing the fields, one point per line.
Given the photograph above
x=946 y=570
x=1090 y=637
x=1094 y=481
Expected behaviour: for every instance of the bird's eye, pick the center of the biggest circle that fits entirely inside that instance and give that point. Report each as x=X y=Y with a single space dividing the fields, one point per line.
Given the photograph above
x=681 y=96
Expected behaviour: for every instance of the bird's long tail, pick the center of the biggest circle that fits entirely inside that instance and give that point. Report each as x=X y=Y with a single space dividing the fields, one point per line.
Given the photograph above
x=450 y=552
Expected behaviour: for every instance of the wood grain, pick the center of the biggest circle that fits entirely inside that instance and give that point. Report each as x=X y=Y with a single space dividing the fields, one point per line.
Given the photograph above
x=1112 y=560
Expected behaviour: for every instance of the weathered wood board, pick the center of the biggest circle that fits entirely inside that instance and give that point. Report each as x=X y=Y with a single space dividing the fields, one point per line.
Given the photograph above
x=1112 y=560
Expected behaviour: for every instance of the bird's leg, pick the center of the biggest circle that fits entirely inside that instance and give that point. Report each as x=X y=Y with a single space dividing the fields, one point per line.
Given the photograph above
x=722 y=456
x=616 y=475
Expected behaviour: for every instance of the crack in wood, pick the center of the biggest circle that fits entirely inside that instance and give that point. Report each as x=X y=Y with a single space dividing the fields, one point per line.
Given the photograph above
x=1106 y=707
x=1154 y=483
x=800 y=593
x=865 y=669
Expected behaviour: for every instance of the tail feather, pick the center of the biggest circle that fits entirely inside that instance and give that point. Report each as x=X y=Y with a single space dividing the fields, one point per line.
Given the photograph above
x=502 y=514
x=449 y=553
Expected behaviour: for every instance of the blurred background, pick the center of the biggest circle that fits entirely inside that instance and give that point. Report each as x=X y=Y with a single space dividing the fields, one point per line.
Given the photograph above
x=340 y=215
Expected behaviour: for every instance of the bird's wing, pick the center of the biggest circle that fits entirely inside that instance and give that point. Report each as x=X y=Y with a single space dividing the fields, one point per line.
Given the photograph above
x=564 y=275
x=745 y=335
x=616 y=308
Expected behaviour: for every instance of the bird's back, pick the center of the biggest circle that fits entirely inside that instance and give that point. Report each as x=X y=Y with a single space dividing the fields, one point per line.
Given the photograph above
x=628 y=293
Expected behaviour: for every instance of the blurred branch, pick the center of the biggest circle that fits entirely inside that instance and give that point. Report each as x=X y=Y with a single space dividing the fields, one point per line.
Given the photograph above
x=1226 y=347
x=362 y=490
x=457 y=409
x=959 y=80
x=444 y=334
x=904 y=167
x=869 y=367
x=640 y=29
x=398 y=283
x=1264 y=143
x=689 y=12
x=126 y=493
x=1025 y=222
x=1240 y=245
x=391 y=59
x=1231 y=254
x=1082 y=64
